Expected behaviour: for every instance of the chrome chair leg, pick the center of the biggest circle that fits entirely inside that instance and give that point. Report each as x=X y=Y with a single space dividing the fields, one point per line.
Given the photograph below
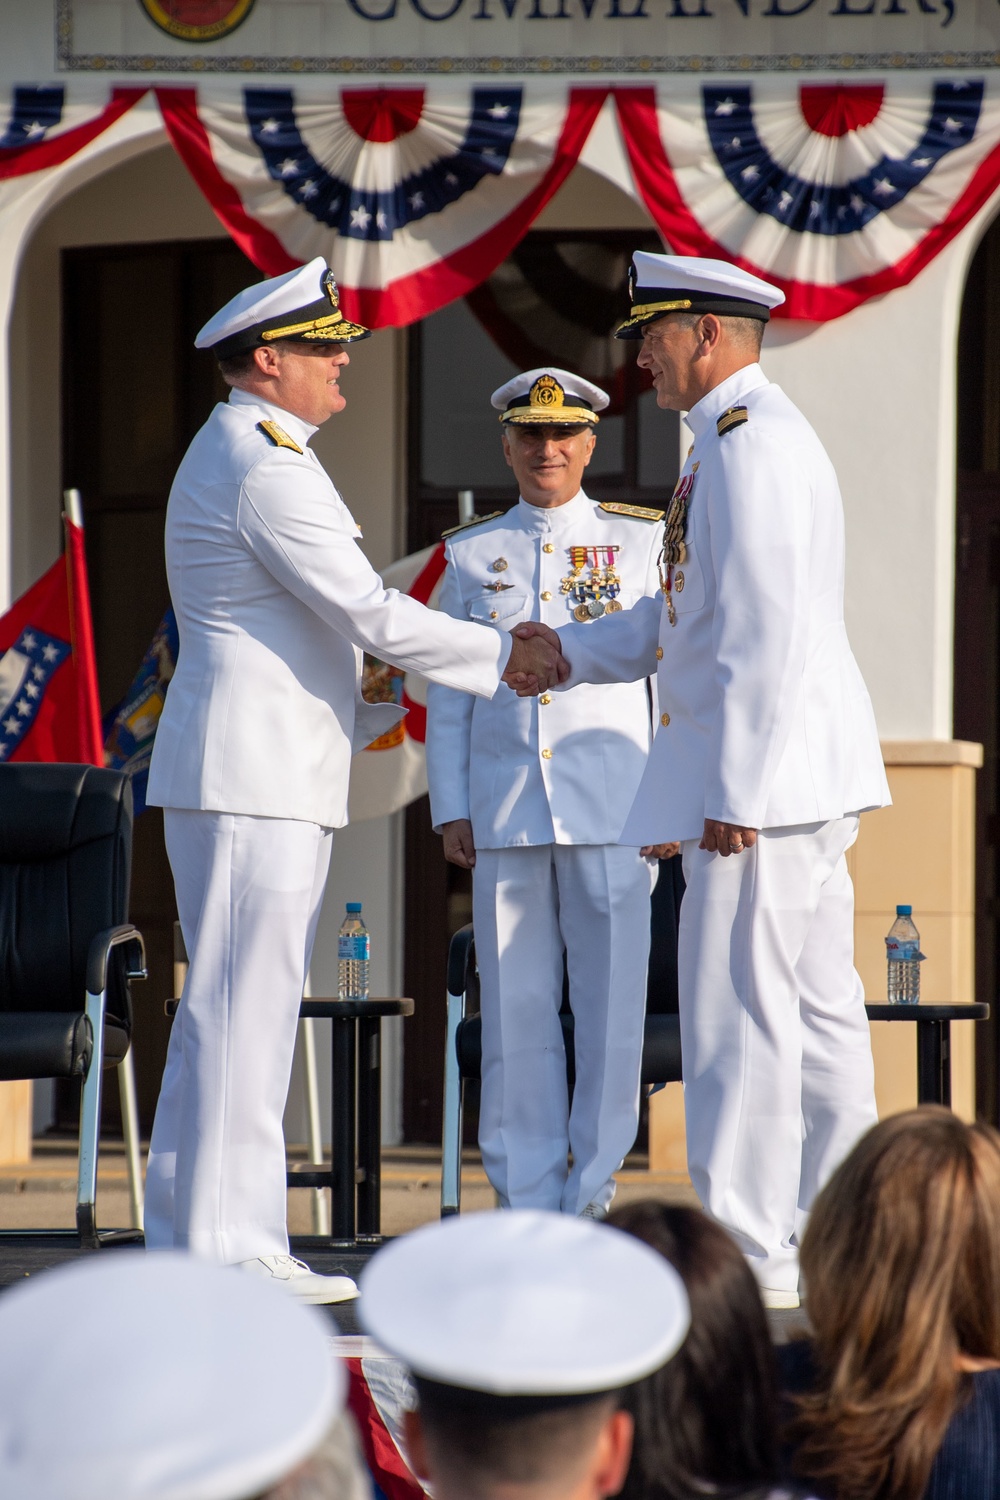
x=454 y=1098
x=130 y=1130
x=90 y=1125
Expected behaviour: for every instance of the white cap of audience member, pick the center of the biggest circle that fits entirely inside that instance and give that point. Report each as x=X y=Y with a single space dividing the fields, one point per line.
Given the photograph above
x=519 y=1330
x=159 y=1377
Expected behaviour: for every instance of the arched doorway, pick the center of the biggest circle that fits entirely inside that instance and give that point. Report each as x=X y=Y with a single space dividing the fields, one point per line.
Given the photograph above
x=977 y=623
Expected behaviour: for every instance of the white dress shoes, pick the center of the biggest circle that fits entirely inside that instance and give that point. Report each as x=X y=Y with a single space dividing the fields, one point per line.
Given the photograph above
x=595 y=1211
x=306 y=1285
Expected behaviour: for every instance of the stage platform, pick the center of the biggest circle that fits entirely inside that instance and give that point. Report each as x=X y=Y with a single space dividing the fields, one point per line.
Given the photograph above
x=39 y=1195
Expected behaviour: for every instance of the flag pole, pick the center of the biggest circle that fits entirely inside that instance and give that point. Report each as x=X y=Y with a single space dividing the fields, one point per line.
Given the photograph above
x=74 y=507
x=88 y=700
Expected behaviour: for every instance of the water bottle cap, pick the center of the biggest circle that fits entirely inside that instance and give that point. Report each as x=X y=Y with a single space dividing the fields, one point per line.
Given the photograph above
x=356 y=906
x=901 y=911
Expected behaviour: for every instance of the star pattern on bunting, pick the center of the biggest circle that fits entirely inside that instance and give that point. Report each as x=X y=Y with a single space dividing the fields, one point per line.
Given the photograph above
x=26 y=669
x=373 y=214
x=768 y=187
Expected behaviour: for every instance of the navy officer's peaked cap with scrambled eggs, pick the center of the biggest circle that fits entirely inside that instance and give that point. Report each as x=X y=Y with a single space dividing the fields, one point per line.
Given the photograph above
x=551 y=396
x=302 y=305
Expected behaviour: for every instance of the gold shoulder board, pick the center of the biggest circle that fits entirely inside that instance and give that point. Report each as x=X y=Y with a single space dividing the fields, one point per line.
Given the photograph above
x=467 y=525
x=278 y=436
x=637 y=512
x=734 y=417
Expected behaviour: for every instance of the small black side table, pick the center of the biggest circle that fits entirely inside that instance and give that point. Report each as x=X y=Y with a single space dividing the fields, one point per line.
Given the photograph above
x=355 y=1173
x=933 y=1023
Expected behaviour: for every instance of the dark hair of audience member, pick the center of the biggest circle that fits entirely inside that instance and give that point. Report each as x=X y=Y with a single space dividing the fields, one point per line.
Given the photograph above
x=478 y=1441
x=706 y=1422
x=901 y=1264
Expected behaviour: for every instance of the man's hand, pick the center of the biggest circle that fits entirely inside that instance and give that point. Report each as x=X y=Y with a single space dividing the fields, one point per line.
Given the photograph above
x=536 y=662
x=727 y=838
x=459 y=846
x=660 y=851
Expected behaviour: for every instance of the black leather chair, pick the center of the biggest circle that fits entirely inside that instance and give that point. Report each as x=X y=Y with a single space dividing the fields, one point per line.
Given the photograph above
x=67 y=950
x=661 y=1048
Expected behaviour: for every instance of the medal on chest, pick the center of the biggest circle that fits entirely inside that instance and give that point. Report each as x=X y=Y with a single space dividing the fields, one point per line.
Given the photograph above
x=596 y=592
x=674 y=549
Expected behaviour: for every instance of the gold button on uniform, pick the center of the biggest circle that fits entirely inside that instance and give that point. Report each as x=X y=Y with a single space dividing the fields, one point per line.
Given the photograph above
x=546 y=755
x=494 y=614
x=547 y=547
x=659 y=653
x=664 y=719
x=545 y=698
x=546 y=596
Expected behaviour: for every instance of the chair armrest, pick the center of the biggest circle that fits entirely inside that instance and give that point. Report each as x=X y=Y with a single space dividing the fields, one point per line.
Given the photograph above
x=100 y=951
x=461 y=956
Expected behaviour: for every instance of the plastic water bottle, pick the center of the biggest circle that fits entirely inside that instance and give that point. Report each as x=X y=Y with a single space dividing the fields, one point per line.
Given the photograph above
x=352 y=955
x=902 y=947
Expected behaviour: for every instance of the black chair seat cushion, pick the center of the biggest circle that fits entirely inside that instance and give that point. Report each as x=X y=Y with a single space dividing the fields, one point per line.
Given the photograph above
x=661 y=1050
x=53 y=1045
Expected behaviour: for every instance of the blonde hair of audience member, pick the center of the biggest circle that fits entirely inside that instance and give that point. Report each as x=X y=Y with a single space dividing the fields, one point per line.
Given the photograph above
x=471 y=1445
x=336 y=1471
x=901 y=1263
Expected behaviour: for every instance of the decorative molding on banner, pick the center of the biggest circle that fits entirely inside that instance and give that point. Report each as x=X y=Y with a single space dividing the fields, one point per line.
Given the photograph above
x=830 y=63
x=582 y=39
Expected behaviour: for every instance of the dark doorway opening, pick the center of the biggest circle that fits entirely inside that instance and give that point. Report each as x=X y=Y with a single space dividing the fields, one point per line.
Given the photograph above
x=977 y=624
x=555 y=300
x=134 y=393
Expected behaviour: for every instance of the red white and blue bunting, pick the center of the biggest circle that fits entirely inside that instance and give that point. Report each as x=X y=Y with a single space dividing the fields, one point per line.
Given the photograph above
x=838 y=192
x=40 y=129
x=413 y=195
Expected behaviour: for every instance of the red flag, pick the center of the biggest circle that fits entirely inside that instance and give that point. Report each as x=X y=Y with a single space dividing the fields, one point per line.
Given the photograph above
x=49 y=708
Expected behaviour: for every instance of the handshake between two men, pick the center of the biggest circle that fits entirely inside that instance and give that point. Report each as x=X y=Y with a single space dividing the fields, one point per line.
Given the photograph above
x=536 y=662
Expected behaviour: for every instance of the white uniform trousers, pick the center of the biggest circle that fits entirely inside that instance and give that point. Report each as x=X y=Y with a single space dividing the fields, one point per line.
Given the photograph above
x=528 y=903
x=778 y=1074
x=249 y=892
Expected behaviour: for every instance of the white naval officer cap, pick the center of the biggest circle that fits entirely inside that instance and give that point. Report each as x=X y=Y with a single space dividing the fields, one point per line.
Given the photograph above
x=549 y=395
x=524 y=1303
x=660 y=284
x=302 y=305
x=132 y=1376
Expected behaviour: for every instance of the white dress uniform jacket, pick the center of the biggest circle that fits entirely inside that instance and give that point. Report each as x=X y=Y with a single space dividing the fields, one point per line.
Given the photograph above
x=766 y=721
x=273 y=597
x=563 y=768
x=547 y=783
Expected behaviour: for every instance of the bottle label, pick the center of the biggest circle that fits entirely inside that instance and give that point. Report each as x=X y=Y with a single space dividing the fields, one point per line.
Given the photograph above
x=352 y=947
x=902 y=950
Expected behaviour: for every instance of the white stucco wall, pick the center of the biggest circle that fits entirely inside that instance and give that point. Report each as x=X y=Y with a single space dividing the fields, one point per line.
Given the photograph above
x=879 y=386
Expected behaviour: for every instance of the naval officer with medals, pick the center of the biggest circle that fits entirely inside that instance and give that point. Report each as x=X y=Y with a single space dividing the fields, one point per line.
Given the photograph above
x=765 y=754
x=532 y=794
x=273 y=599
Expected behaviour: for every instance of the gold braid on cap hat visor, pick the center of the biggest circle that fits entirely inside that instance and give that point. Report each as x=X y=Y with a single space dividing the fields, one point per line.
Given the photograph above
x=316 y=328
x=547 y=403
x=643 y=309
x=552 y=416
